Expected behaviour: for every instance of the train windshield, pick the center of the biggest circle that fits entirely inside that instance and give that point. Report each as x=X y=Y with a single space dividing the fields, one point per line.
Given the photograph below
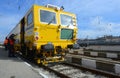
x=47 y=17
x=66 y=20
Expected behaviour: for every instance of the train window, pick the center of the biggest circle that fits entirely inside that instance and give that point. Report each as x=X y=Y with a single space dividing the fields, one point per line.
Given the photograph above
x=47 y=17
x=66 y=20
x=30 y=18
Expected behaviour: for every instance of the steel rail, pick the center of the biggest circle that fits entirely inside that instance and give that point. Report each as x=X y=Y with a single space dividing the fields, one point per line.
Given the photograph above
x=56 y=72
x=94 y=71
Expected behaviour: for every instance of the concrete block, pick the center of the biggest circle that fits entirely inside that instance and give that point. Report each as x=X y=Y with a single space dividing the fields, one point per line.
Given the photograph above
x=117 y=68
x=94 y=53
x=88 y=63
x=112 y=55
x=71 y=51
x=105 y=66
x=81 y=52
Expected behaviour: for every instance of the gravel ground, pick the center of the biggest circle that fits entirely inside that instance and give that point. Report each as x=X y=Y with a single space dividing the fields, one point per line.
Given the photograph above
x=74 y=72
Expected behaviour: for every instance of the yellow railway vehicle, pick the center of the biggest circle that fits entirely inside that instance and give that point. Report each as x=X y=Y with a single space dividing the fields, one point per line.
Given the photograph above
x=45 y=33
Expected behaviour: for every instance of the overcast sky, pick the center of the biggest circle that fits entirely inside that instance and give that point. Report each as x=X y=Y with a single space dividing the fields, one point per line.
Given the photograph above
x=95 y=18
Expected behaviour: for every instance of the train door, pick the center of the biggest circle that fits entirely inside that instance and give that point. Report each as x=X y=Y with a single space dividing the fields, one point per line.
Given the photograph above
x=22 y=36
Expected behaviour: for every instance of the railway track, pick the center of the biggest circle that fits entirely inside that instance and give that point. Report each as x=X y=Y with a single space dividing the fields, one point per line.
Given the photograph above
x=69 y=70
x=106 y=58
x=100 y=54
x=95 y=63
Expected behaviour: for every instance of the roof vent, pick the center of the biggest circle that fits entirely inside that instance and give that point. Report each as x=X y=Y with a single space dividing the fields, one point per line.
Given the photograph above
x=52 y=6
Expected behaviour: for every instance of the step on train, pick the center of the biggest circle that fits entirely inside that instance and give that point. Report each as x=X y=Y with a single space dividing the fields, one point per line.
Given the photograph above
x=45 y=33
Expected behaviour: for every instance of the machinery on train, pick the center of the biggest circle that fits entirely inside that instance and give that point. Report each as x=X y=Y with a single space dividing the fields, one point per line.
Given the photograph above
x=45 y=33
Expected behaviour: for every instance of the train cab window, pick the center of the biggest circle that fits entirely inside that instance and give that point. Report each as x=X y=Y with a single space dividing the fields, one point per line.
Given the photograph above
x=47 y=17
x=66 y=20
x=30 y=18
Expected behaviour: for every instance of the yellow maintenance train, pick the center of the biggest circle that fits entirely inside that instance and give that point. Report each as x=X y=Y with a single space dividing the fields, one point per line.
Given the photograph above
x=45 y=33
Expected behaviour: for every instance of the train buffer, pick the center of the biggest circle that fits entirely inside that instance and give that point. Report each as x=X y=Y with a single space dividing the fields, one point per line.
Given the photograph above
x=13 y=67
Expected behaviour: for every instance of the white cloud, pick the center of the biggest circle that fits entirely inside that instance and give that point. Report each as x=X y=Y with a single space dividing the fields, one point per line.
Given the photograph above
x=99 y=23
x=99 y=27
x=89 y=34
